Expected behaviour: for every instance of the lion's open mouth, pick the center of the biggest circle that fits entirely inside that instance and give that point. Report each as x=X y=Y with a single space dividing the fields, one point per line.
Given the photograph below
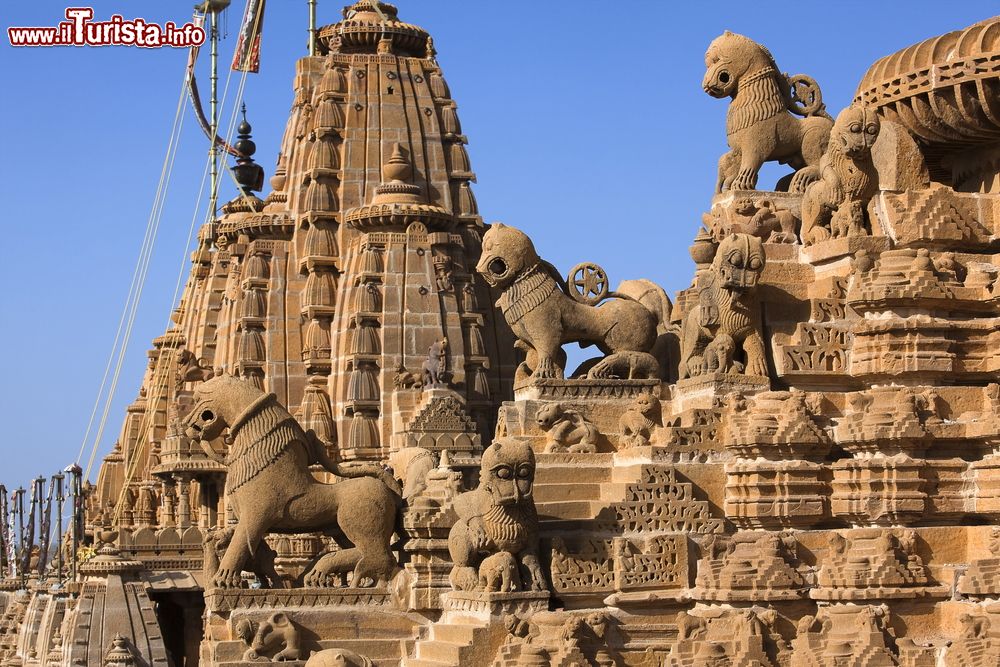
x=496 y=270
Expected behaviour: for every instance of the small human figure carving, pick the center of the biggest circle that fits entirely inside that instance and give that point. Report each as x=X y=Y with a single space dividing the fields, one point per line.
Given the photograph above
x=836 y=205
x=436 y=365
x=566 y=430
x=442 y=274
x=726 y=311
x=761 y=125
x=278 y=635
x=498 y=516
x=637 y=423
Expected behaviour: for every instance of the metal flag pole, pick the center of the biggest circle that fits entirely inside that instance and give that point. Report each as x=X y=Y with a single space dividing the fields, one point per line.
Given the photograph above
x=19 y=507
x=312 y=27
x=60 y=498
x=75 y=473
x=214 y=151
x=3 y=532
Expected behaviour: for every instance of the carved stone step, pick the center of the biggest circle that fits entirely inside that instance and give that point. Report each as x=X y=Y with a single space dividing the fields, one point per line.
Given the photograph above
x=571 y=509
x=547 y=493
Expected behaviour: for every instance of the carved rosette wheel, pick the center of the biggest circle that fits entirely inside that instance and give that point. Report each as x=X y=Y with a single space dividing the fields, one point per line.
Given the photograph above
x=588 y=283
x=806 y=99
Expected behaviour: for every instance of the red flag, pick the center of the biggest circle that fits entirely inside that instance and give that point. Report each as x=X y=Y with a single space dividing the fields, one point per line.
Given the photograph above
x=247 y=56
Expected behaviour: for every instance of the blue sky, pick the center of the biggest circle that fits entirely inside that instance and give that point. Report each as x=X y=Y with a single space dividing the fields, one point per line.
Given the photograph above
x=587 y=125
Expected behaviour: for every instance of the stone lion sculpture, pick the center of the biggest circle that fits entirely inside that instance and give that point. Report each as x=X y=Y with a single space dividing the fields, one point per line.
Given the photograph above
x=636 y=424
x=836 y=205
x=727 y=310
x=270 y=488
x=497 y=517
x=537 y=305
x=760 y=124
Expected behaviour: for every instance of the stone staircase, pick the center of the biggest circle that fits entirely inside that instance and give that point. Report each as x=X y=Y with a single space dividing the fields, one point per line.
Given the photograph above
x=571 y=487
x=455 y=641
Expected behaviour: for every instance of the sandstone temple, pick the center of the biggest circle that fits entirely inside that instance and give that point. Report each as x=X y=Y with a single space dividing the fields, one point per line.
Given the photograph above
x=359 y=443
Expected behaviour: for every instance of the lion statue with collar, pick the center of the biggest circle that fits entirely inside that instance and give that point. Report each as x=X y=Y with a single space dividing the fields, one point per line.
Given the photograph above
x=631 y=326
x=270 y=488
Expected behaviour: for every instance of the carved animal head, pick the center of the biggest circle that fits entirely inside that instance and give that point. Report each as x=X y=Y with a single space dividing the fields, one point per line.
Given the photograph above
x=218 y=402
x=855 y=132
x=245 y=630
x=549 y=415
x=739 y=262
x=646 y=403
x=507 y=253
x=731 y=57
x=508 y=471
x=276 y=621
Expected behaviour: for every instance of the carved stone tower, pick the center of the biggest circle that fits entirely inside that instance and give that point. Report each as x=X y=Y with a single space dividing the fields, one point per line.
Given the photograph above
x=332 y=291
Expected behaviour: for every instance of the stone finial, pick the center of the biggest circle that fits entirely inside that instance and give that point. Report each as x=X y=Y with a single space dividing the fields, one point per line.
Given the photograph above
x=396 y=187
x=120 y=653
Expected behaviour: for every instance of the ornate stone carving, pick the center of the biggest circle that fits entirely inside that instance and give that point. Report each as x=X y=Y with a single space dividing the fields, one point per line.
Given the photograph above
x=751 y=567
x=726 y=319
x=760 y=125
x=434 y=371
x=768 y=217
x=261 y=564
x=848 y=634
x=498 y=517
x=273 y=640
x=719 y=637
x=566 y=430
x=639 y=421
x=871 y=564
x=661 y=502
x=983 y=576
x=537 y=305
x=978 y=642
x=837 y=204
x=271 y=489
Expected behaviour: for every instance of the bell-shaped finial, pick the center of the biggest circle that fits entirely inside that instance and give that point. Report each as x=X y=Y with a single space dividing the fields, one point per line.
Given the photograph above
x=249 y=174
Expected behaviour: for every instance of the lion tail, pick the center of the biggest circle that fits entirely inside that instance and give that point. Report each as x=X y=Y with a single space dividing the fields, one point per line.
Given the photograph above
x=653 y=297
x=317 y=454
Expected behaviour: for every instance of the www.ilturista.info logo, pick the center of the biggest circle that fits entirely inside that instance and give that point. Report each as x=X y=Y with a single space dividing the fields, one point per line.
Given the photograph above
x=80 y=30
